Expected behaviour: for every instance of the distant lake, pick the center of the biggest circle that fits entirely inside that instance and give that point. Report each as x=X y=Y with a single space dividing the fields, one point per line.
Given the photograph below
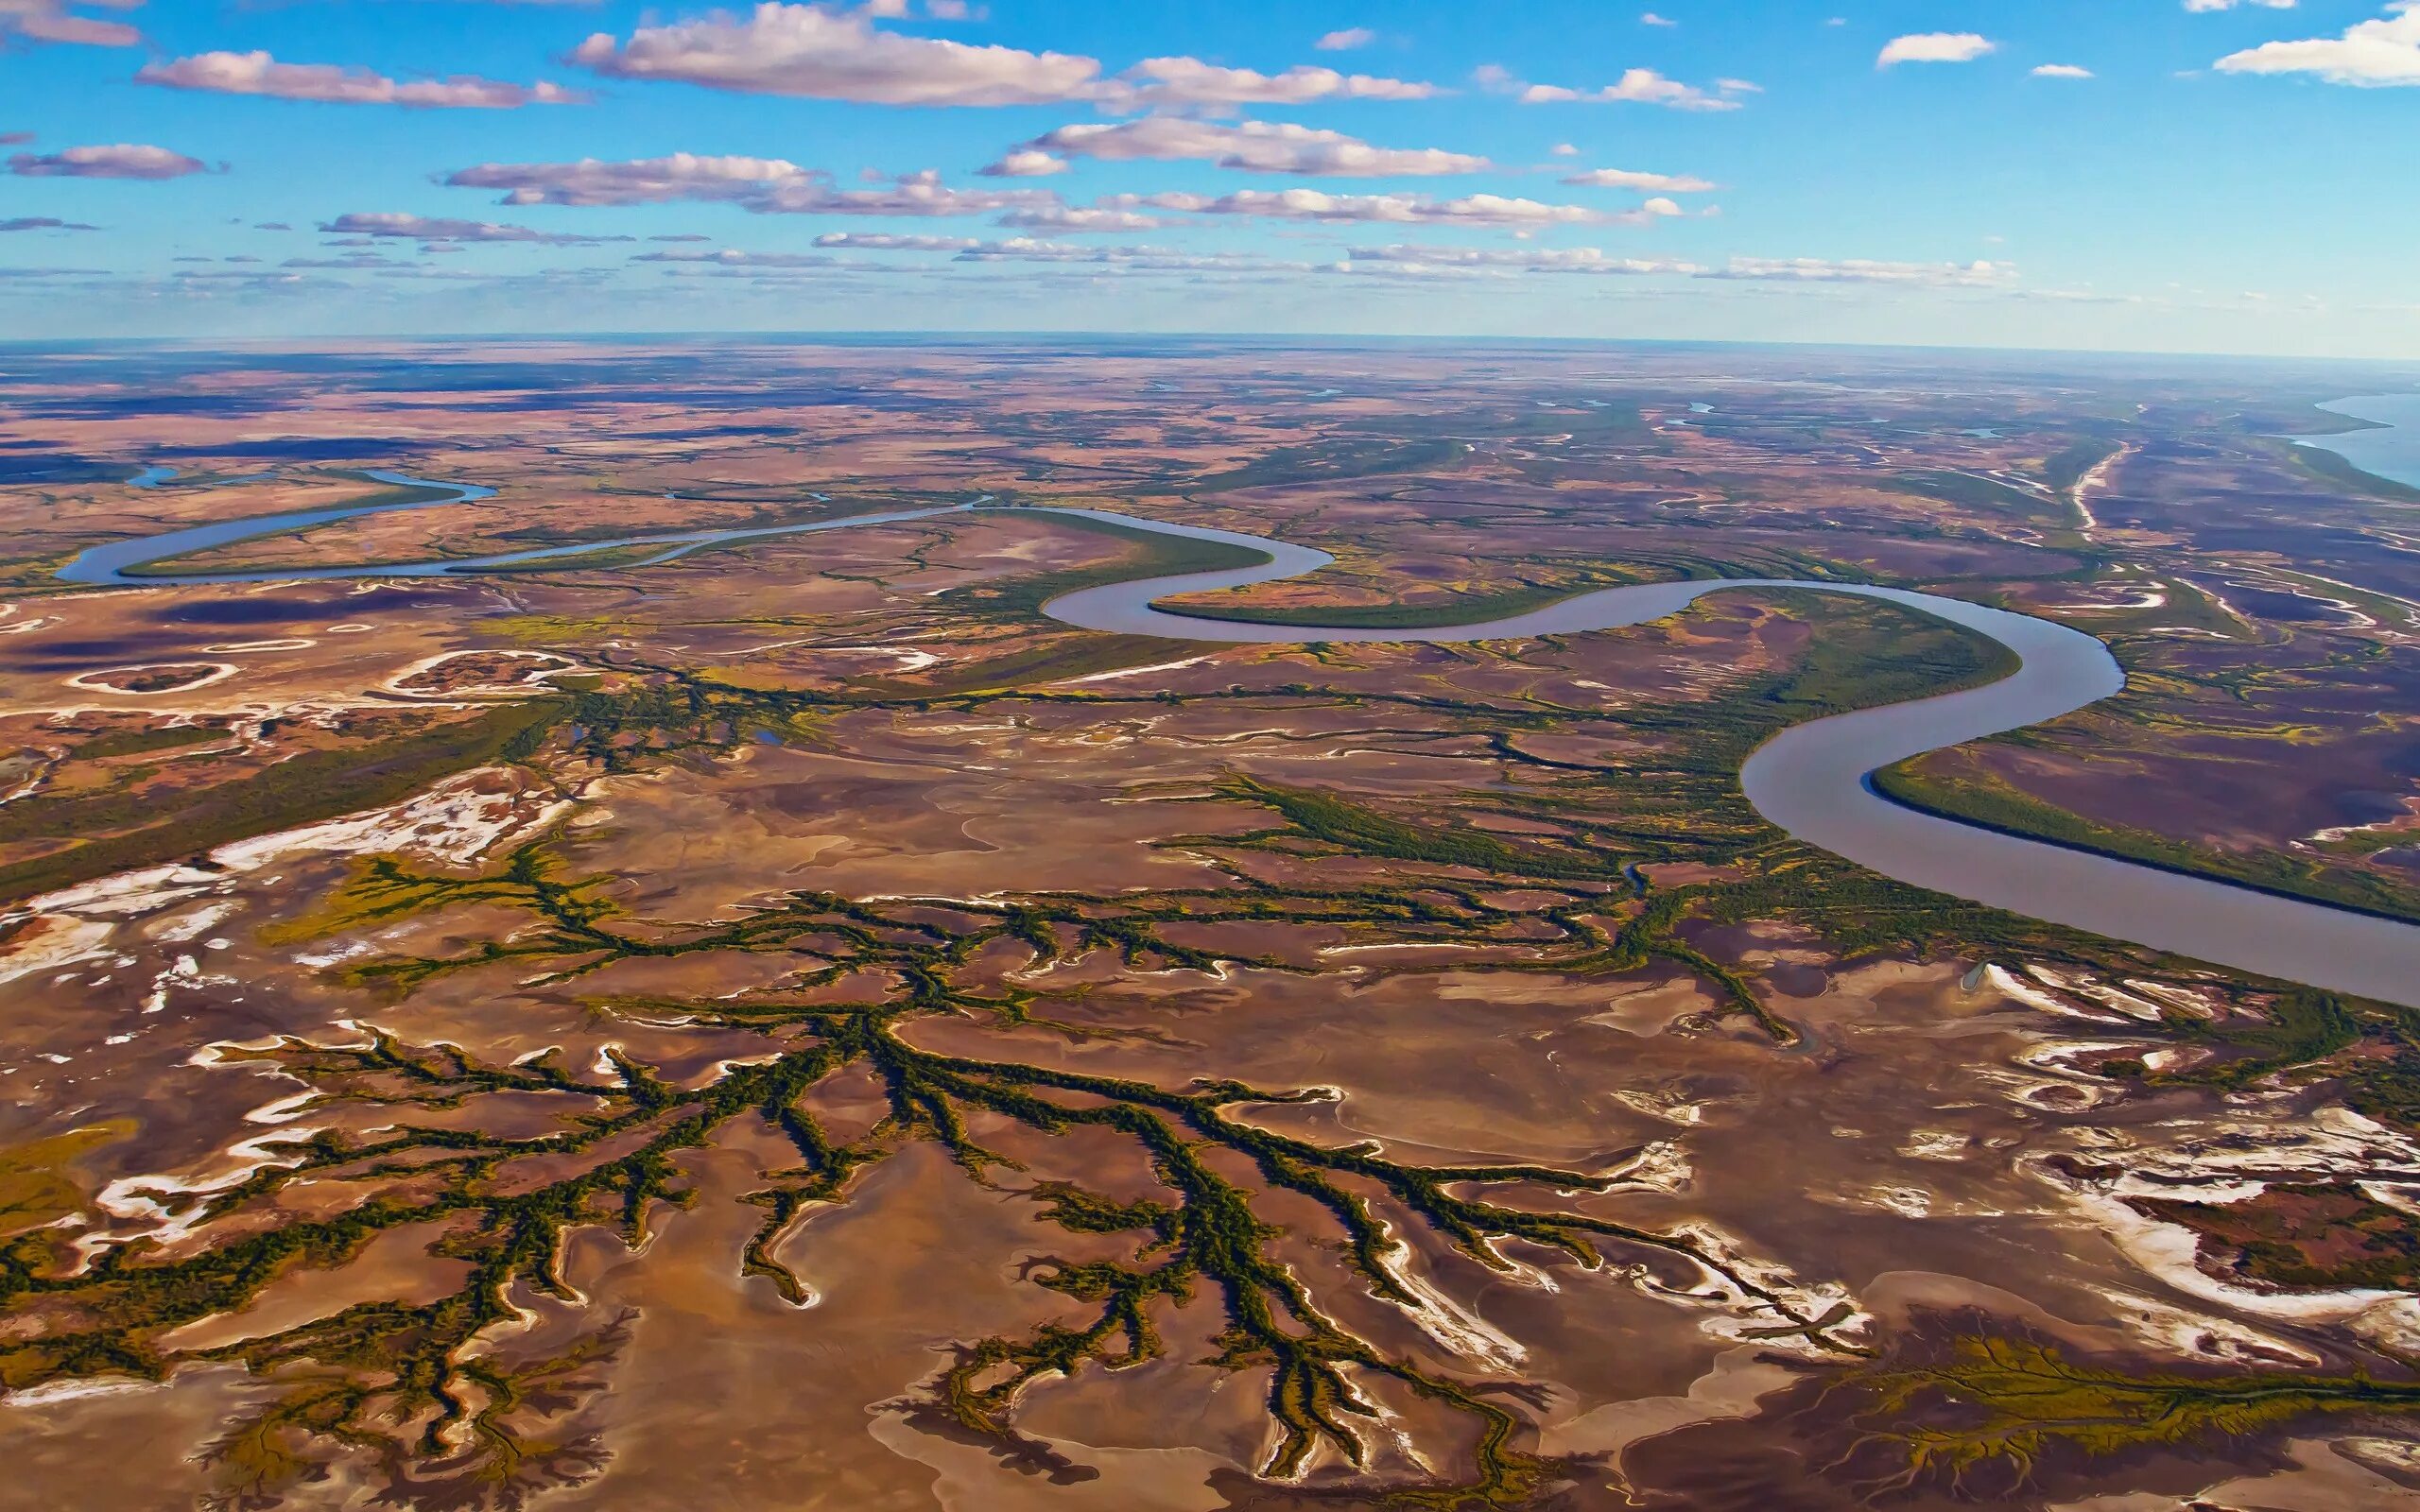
x=2390 y=454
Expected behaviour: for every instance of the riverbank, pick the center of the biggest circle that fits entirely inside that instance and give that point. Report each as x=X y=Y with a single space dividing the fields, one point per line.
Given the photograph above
x=2383 y=457
x=1811 y=781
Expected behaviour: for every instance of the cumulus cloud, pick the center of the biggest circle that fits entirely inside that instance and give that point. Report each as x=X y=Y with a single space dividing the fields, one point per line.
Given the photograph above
x=2062 y=71
x=57 y=21
x=349 y=259
x=2370 y=55
x=764 y=185
x=1261 y=146
x=2230 y=5
x=1080 y=219
x=1024 y=163
x=1669 y=183
x=1860 y=270
x=123 y=160
x=1124 y=259
x=729 y=257
x=1524 y=259
x=1346 y=40
x=42 y=223
x=822 y=53
x=1636 y=86
x=883 y=241
x=257 y=73
x=1935 y=47
x=1314 y=205
x=638 y=181
x=1190 y=83
x=439 y=229
x=914 y=194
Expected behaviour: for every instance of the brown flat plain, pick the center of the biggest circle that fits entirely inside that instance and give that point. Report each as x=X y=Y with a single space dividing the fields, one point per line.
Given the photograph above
x=1929 y=1154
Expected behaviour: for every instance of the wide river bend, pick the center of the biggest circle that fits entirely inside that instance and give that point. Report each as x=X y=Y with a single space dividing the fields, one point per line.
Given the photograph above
x=1810 y=780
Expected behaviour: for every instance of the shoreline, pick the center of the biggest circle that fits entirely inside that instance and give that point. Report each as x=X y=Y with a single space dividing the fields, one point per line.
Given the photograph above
x=2386 y=447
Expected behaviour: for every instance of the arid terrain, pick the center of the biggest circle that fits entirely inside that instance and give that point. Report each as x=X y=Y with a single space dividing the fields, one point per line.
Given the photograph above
x=785 y=1022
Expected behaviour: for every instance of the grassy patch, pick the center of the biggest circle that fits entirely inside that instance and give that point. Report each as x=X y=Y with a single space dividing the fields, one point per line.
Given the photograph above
x=2013 y=1400
x=1855 y=661
x=381 y=495
x=1330 y=460
x=1614 y=423
x=1979 y=493
x=2340 y=471
x=315 y=785
x=2067 y=465
x=1053 y=661
x=1463 y=608
x=1996 y=805
x=150 y=738
x=1147 y=554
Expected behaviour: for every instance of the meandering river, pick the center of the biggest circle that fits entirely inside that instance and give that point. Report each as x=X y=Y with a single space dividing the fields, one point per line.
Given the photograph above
x=1810 y=780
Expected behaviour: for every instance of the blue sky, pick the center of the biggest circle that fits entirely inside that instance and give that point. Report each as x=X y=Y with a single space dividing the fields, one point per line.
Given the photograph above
x=2189 y=175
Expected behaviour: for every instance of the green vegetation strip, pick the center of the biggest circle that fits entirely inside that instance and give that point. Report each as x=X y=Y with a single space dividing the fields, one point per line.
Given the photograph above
x=1465 y=609
x=2002 y=807
x=319 y=784
x=381 y=495
x=1148 y=554
x=2340 y=471
x=2009 y=1401
x=418 y=1398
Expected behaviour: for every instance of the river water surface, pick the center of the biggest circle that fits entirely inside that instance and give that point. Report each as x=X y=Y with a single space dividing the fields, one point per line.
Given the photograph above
x=1810 y=780
x=2391 y=452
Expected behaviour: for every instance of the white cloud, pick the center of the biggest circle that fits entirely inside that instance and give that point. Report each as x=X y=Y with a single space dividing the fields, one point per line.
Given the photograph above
x=123 y=160
x=1636 y=86
x=257 y=73
x=914 y=194
x=54 y=21
x=883 y=241
x=436 y=228
x=1261 y=146
x=1563 y=149
x=1314 y=205
x=2062 y=71
x=729 y=257
x=1652 y=19
x=1080 y=219
x=1533 y=260
x=825 y=54
x=2230 y=5
x=1124 y=259
x=1346 y=40
x=1935 y=47
x=1861 y=270
x=641 y=182
x=2371 y=55
x=764 y=185
x=1670 y=183
x=1190 y=83
x=1024 y=163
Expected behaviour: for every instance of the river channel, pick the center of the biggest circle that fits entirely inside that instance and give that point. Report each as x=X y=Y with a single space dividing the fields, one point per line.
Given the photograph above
x=1812 y=780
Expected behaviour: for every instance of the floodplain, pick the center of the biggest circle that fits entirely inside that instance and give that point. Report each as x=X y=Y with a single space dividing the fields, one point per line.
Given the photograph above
x=609 y=1033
